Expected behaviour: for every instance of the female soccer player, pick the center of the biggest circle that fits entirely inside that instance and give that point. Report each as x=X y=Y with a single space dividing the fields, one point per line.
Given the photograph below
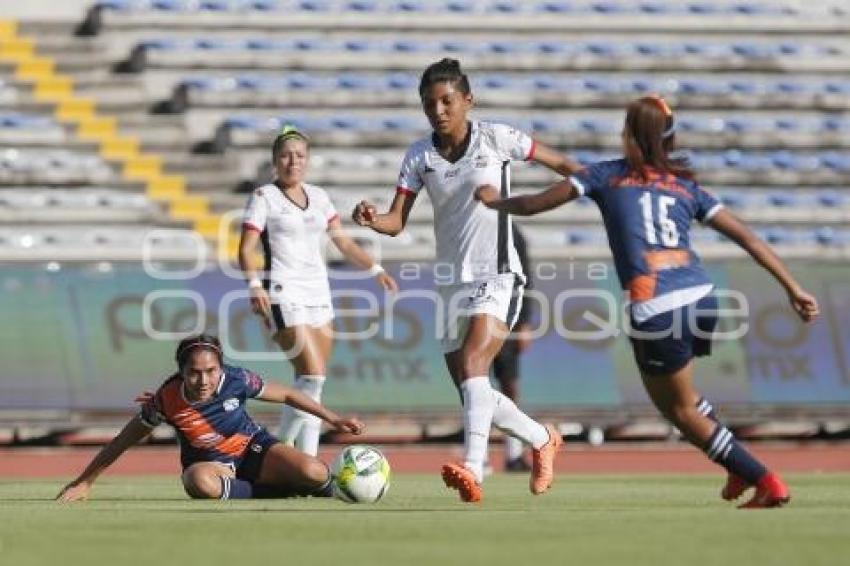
x=648 y=200
x=481 y=299
x=291 y=217
x=224 y=453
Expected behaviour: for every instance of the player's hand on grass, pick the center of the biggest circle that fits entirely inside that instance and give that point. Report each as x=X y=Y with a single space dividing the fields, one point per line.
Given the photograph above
x=387 y=282
x=364 y=213
x=351 y=425
x=487 y=194
x=805 y=305
x=74 y=491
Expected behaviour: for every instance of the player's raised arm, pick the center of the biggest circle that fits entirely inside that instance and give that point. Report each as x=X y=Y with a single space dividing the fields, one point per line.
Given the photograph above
x=277 y=393
x=528 y=205
x=730 y=226
x=391 y=222
x=132 y=433
x=555 y=160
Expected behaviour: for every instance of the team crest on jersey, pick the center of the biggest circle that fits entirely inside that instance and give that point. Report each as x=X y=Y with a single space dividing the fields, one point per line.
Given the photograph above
x=481 y=162
x=231 y=404
x=452 y=173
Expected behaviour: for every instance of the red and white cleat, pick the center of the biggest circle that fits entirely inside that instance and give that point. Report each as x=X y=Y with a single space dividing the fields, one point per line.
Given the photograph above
x=543 y=462
x=770 y=492
x=458 y=477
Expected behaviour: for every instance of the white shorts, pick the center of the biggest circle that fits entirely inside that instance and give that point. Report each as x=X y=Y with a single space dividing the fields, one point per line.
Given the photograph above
x=287 y=315
x=301 y=303
x=499 y=296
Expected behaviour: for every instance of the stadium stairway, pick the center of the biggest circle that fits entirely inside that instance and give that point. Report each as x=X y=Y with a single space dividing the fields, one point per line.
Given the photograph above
x=69 y=78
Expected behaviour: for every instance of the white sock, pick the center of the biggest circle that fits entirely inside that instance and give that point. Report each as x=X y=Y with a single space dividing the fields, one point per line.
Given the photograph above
x=509 y=419
x=477 y=418
x=308 y=439
x=513 y=448
x=298 y=428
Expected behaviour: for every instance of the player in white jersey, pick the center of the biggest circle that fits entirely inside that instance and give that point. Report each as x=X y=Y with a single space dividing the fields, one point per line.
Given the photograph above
x=292 y=218
x=484 y=295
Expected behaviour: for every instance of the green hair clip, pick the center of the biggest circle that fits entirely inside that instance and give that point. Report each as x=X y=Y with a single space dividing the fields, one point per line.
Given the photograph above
x=289 y=131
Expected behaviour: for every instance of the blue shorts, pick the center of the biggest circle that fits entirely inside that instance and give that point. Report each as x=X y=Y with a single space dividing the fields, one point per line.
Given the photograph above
x=679 y=335
x=247 y=467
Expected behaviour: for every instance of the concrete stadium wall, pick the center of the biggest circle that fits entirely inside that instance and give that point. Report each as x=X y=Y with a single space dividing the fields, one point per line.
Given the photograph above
x=46 y=10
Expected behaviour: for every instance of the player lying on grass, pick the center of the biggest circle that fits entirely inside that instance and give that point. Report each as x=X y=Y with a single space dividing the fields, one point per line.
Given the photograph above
x=648 y=200
x=224 y=453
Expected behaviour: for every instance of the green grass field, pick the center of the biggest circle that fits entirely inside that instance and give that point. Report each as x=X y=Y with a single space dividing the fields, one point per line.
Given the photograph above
x=598 y=520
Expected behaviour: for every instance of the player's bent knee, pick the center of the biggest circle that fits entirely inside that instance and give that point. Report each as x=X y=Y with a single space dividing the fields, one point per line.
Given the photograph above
x=315 y=471
x=201 y=484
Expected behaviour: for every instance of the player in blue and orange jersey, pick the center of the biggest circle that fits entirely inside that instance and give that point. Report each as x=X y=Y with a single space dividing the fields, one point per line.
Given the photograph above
x=224 y=453
x=648 y=200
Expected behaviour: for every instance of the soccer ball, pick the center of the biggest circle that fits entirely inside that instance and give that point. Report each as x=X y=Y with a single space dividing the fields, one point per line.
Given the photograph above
x=361 y=474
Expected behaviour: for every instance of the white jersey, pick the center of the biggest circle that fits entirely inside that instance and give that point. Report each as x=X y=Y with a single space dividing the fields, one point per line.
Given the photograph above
x=475 y=241
x=293 y=241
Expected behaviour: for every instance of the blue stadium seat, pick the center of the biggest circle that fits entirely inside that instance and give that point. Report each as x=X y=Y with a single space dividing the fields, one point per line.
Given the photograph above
x=307 y=44
x=555 y=7
x=351 y=81
x=454 y=46
x=301 y=81
x=544 y=82
x=504 y=7
x=408 y=6
x=361 y=6
x=702 y=8
x=400 y=81
x=835 y=160
x=607 y=8
x=503 y=47
x=406 y=46
x=460 y=6
x=831 y=199
x=784 y=199
x=167 y=5
x=162 y=44
x=654 y=7
x=314 y=6
x=356 y=45
x=265 y=5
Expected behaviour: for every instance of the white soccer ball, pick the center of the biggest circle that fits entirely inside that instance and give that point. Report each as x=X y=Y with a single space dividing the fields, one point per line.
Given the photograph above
x=361 y=474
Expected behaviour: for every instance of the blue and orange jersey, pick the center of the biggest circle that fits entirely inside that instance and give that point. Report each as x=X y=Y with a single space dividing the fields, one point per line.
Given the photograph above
x=218 y=429
x=648 y=225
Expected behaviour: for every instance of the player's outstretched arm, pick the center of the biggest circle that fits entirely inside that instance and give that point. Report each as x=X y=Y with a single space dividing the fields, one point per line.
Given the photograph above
x=277 y=393
x=555 y=160
x=358 y=256
x=527 y=205
x=78 y=490
x=805 y=305
x=390 y=223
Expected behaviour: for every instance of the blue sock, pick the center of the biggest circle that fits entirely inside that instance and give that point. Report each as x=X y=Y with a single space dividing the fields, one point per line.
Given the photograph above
x=725 y=449
x=326 y=489
x=232 y=488
x=707 y=410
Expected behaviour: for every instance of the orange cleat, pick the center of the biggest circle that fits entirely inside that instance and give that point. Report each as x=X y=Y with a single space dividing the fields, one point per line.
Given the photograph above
x=734 y=488
x=457 y=477
x=770 y=492
x=543 y=462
